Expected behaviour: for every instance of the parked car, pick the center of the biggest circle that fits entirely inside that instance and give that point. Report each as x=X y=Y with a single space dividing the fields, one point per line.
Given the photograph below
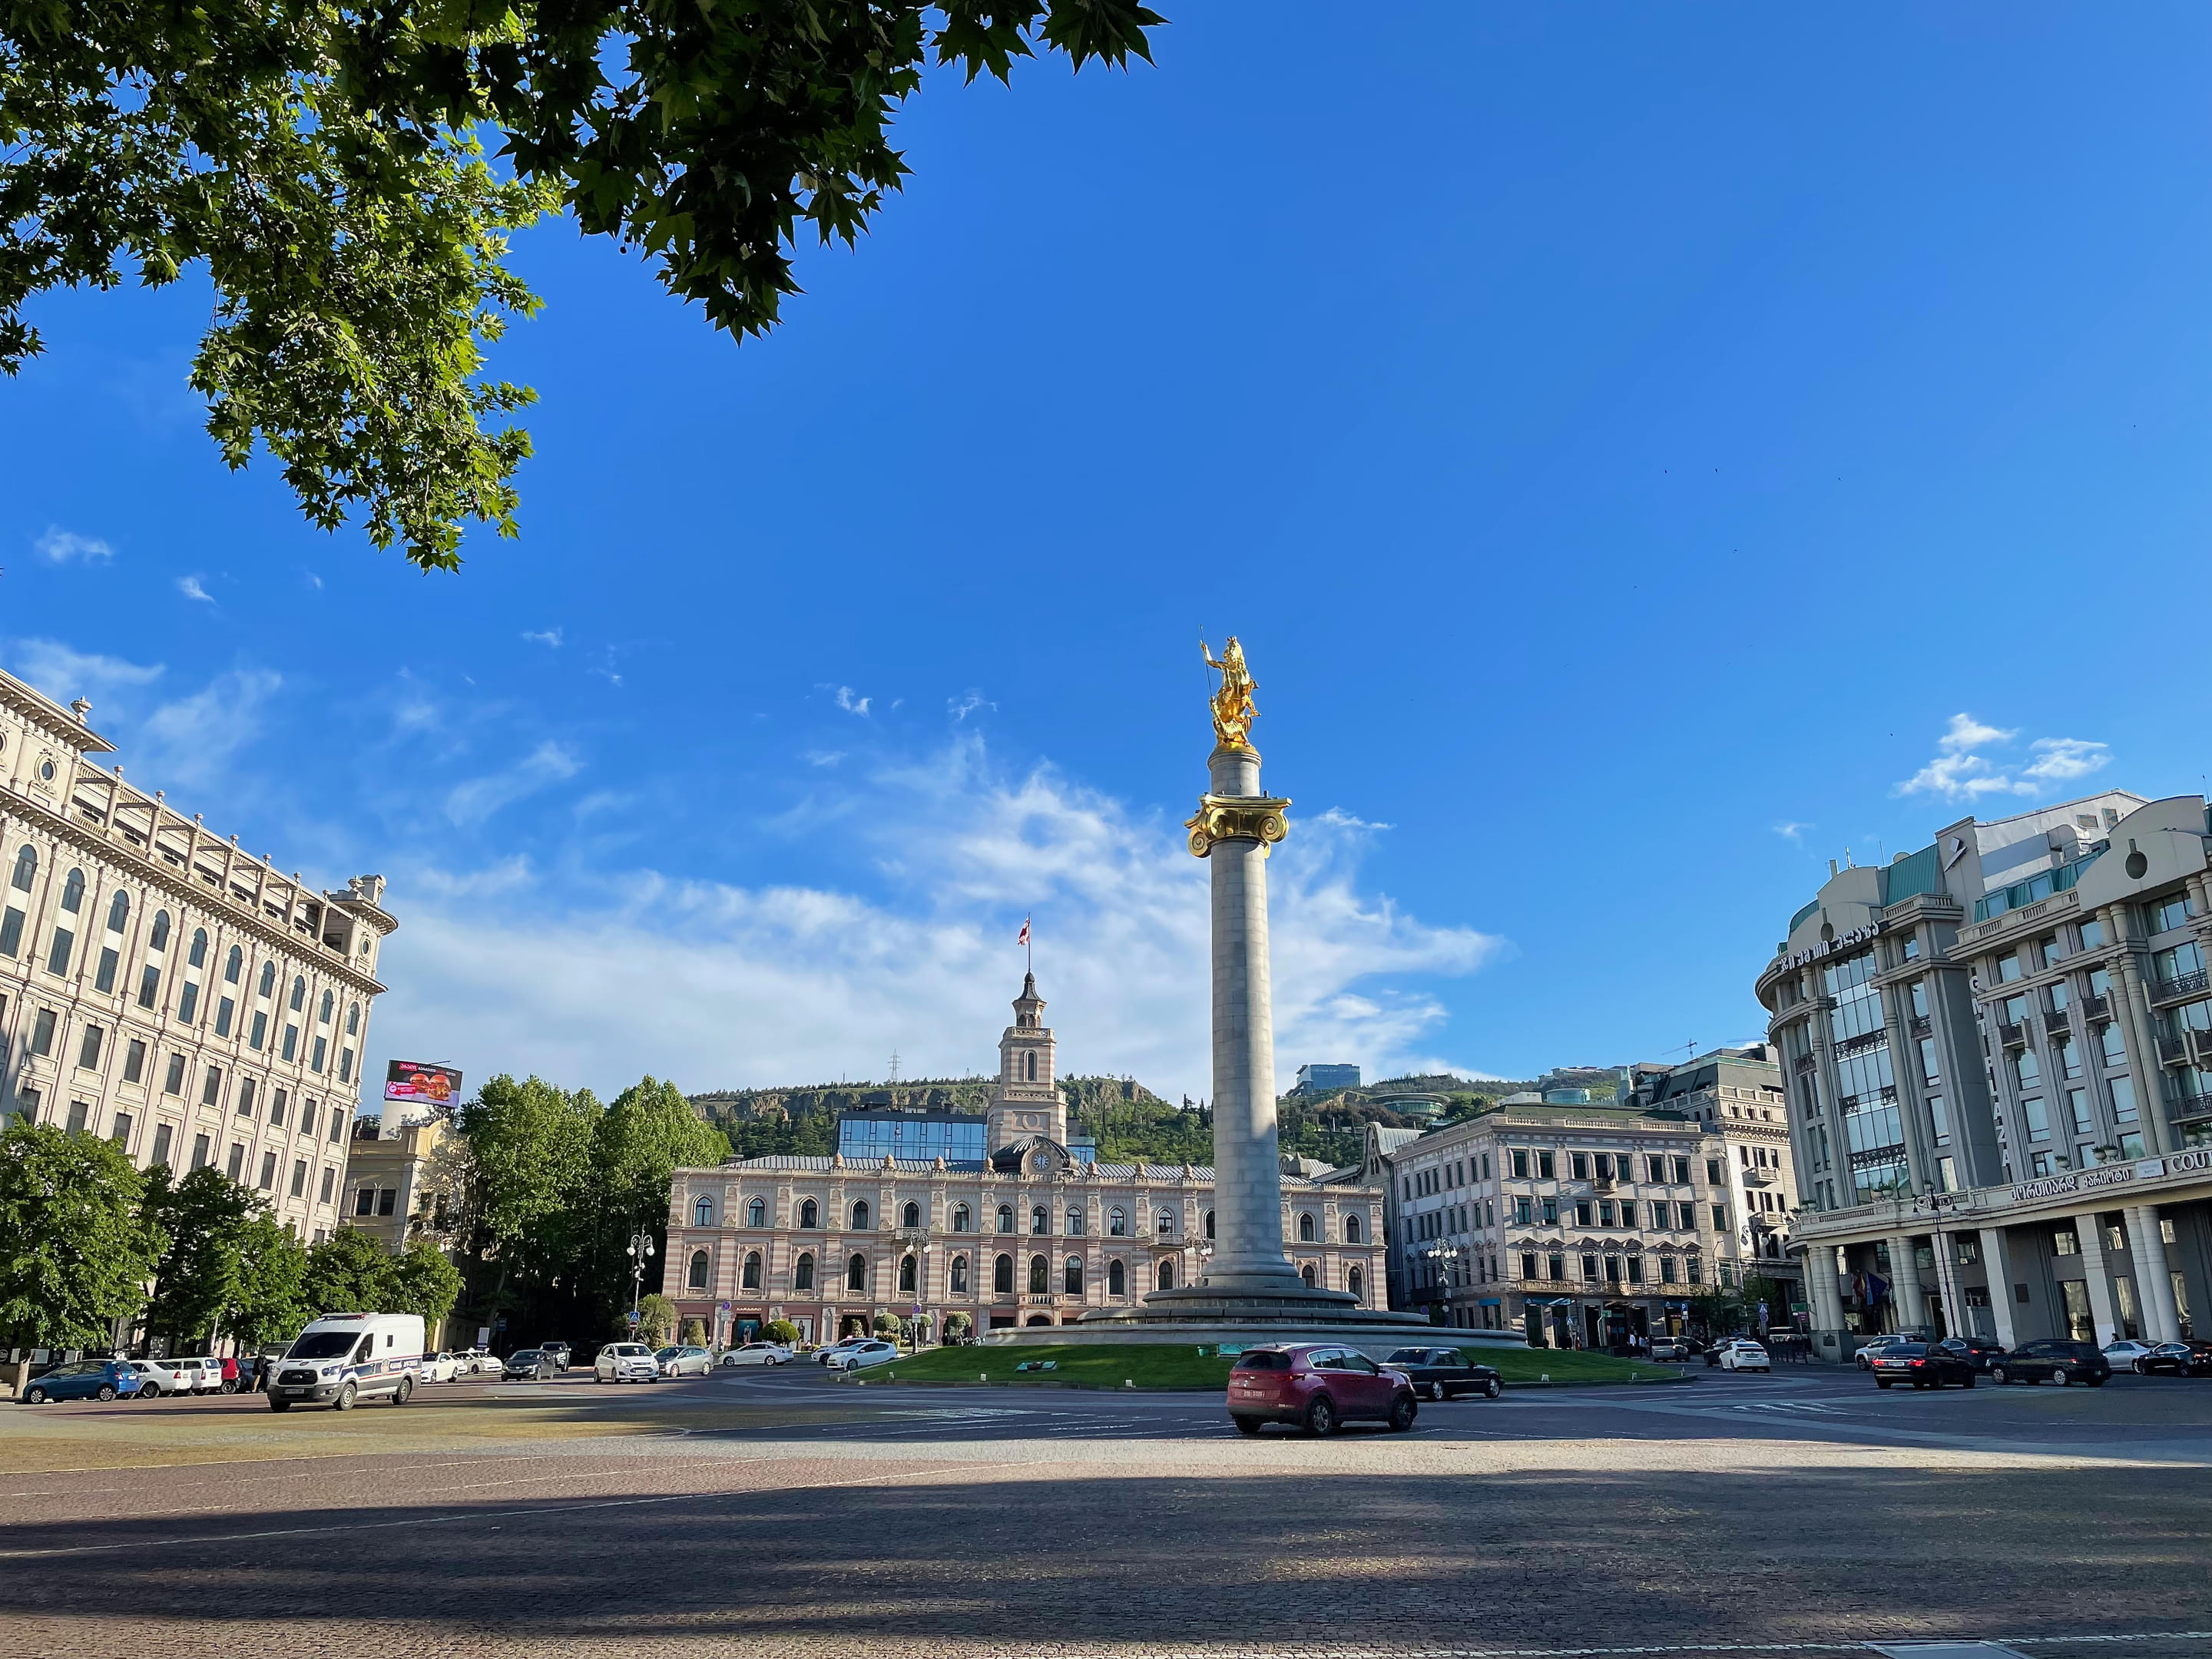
x=870 y=1352
x=2189 y=1358
x=1871 y=1350
x=1744 y=1355
x=440 y=1368
x=684 y=1361
x=2054 y=1357
x=1315 y=1387
x=1443 y=1373
x=159 y=1376
x=758 y=1353
x=822 y=1355
x=1671 y=1350
x=1922 y=1364
x=84 y=1379
x=558 y=1352
x=527 y=1364
x=482 y=1362
x=2122 y=1356
x=1976 y=1350
x=626 y=1362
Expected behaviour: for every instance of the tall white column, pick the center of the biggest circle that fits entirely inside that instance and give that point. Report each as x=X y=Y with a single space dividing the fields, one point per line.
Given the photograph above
x=2154 y=1276
x=1247 y=1171
x=1997 y=1260
x=2092 y=1238
x=1904 y=1279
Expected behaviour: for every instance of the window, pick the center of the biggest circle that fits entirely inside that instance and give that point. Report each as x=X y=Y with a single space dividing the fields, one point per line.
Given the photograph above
x=345 y=1064
x=149 y=986
x=26 y=869
x=1524 y=1212
x=756 y=1213
x=2077 y=1109
x=1075 y=1224
x=1682 y=1171
x=1117 y=1279
x=188 y=1003
x=2124 y=1103
x=748 y=1277
x=337 y=1126
x=257 y=1032
x=323 y=1013
x=1519 y=1165
x=911 y=1216
x=1605 y=1212
x=246 y=1093
x=809 y=1215
x=307 y=1112
x=162 y=1135
x=298 y=991
x=1039 y=1276
x=2169 y=913
x=87 y=1048
x=1306 y=1274
x=1007 y=1222
x=277 y=1109
x=223 y=1013
x=211 y=1086
x=802 y=1271
x=268 y=1171
x=1071 y=1279
x=957 y=1284
x=703 y=1213
x=1356 y=1282
x=196 y=957
x=321 y=1054
x=1352 y=1229
x=159 y=938
x=860 y=1216
x=1165 y=1221
x=1685 y=1217
x=387 y=1201
x=1628 y=1212
x=1939 y=1119
x=58 y=957
x=1305 y=1228
x=2039 y=1120
x=2008 y=967
x=1117 y=1223
x=1002 y=1273
x=1655 y=1169
x=1209 y=1224
x=11 y=932
x=104 y=979
x=2027 y=1069
x=268 y=978
x=234 y=966
x=1040 y=1220
x=1167 y=1275
x=42 y=1032
x=1582 y=1213
x=1546 y=1166
x=2093 y=933
x=1931 y=1071
x=291 y=1040
x=1578 y=1165
x=353 y=1019
x=856 y=1273
x=1720 y=1217
x=1712 y=1172
x=174 y=1082
x=298 y=1176
x=1551 y=1213
x=200 y=1152
x=330 y=1175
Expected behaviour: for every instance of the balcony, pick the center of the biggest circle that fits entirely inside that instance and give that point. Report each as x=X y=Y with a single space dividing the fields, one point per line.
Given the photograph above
x=1807 y=1062
x=2097 y=1008
x=1758 y=1177
x=2013 y=1036
x=2186 y=984
x=2199 y=1043
x=2173 y=1051
x=1920 y=1025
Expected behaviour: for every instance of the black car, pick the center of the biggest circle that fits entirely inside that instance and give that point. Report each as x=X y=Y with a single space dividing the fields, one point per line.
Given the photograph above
x=1441 y=1373
x=530 y=1362
x=1976 y=1350
x=2191 y=1358
x=2053 y=1357
x=1922 y=1365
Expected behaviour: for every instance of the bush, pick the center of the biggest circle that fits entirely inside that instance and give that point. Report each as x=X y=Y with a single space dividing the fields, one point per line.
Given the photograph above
x=779 y=1330
x=887 y=1327
x=656 y=1321
x=695 y=1334
x=956 y=1327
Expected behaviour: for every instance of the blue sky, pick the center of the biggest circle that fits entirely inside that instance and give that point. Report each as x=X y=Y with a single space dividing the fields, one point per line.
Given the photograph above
x=1626 y=444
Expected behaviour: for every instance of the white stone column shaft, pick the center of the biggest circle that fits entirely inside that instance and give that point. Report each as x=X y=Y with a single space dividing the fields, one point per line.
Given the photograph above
x=1996 y=1261
x=2153 y=1275
x=2091 y=1239
x=1904 y=1279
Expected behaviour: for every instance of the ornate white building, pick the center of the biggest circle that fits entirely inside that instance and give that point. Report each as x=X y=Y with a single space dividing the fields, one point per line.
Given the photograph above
x=165 y=990
x=1027 y=1234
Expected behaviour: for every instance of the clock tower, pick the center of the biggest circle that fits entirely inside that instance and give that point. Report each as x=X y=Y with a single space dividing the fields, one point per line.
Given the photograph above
x=1026 y=1101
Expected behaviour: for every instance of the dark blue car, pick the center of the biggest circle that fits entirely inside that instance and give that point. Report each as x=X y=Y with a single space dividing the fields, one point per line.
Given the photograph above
x=86 y=1379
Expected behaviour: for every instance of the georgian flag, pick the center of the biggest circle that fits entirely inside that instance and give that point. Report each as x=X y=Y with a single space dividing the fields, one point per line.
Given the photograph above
x=1024 y=938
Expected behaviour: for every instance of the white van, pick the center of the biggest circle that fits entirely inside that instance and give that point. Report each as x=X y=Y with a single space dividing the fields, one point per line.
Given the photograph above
x=340 y=1358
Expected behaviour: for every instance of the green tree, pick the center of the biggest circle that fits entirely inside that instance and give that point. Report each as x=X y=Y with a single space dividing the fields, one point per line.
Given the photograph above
x=656 y=1321
x=779 y=1330
x=637 y=1145
x=319 y=158
x=76 y=1246
x=204 y=1216
x=349 y=1272
x=268 y=1302
x=424 y=1282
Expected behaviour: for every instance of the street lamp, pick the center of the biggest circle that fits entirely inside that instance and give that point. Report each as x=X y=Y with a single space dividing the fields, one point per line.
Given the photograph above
x=1444 y=1255
x=916 y=1240
x=641 y=1252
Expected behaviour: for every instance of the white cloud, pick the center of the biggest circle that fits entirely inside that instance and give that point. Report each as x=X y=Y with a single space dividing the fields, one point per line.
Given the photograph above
x=61 y=546
x=1961 y=773
x=715 y=984
x=477 y=799
x=847 y=699
x=822 y=757
x=962 y=707
x=548 y=637
x=190 y=588
x=1792 y=831
x=192 y=739
x=65 y=675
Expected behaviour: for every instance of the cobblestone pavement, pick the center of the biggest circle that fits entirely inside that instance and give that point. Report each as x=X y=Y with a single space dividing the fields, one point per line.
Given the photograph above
x=790 y=1516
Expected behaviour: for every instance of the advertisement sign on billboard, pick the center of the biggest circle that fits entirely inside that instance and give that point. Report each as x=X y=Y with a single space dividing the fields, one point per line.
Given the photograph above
x=418 y=1080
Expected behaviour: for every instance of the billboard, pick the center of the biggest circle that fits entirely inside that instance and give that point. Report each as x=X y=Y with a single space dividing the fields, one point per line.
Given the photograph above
x=419 y=1081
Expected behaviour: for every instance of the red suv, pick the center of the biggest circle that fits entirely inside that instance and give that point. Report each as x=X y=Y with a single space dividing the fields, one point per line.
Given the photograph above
x=1317 y=1387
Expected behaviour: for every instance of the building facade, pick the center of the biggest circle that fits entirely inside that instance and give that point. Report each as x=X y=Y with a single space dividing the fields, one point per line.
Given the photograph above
x=1579 y=1225
x=1025 y=1234
x=1998 y=1052
x=166 y=991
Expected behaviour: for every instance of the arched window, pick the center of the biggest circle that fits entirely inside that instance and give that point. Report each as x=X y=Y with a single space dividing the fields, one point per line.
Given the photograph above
x=235 y=966
x=703 y=1213
x=906 y=1272
x=860 y=1216
x=856 y=1273
x=27 y=867
x=696 y=1280
x=268 y=978
x=353 y=1019
x=1352 y=1229
x=911 y=1216
x=1356 y=1282
x=1002 y=1275
x=750 y=1278
x=1074 y=1222
x=323 y=1013
x=1033 y=1066
x=802 y=1273
x=1166 y=1220
x=299 y=995
x=73 y=891
x=757 y=1214
x=1005 y=1218
x=1040 y=1276
x=959 y=1275
x=1209 y=1224
x=198 y=953
x=960 y=1218
x=1117 y=1223
x=1167 y=1275
x=1072 y=1279
x=118 y=912
x=1040 y=1221
x=159 y=938
x=1305 y=1227
x=1117 y=1279
x=809 y=1215
x=1306 y=1272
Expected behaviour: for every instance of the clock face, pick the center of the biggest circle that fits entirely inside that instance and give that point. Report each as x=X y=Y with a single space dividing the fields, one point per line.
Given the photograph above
x=1031 y=1120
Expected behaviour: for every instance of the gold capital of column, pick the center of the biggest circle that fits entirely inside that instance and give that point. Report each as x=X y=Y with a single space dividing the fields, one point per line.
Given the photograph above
x=1238 y=817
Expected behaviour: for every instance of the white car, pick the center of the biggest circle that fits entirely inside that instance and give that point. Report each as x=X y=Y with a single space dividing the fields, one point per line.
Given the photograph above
x=158 y=1377
x=625 y=1362
x=197 y=1375
x=684 y=1362
x=860 y=1354
x=2128 y=1356
x=1745 y=1356
x=825 y=1356
x=758 y=1353
x=440 y=1368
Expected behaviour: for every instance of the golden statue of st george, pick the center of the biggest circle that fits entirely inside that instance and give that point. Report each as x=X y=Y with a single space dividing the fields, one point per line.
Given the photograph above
x=1233 y=710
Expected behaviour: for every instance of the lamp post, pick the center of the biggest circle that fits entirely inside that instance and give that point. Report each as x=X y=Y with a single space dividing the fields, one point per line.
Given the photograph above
x=1444 y=1255
x=916 y=1240
x=641 y=1252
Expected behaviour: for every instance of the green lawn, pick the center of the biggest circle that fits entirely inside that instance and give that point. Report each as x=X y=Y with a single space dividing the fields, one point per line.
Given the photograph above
x=1182 y=1365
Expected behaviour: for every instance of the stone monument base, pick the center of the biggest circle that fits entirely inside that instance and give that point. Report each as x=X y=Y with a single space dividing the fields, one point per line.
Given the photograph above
x=1203 y=1314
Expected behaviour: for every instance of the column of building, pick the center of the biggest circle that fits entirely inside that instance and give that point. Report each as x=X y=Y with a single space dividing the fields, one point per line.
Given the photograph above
x=2135 y=1027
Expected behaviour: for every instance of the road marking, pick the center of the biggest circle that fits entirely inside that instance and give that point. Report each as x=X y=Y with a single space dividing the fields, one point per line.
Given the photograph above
x=1902 y=1644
